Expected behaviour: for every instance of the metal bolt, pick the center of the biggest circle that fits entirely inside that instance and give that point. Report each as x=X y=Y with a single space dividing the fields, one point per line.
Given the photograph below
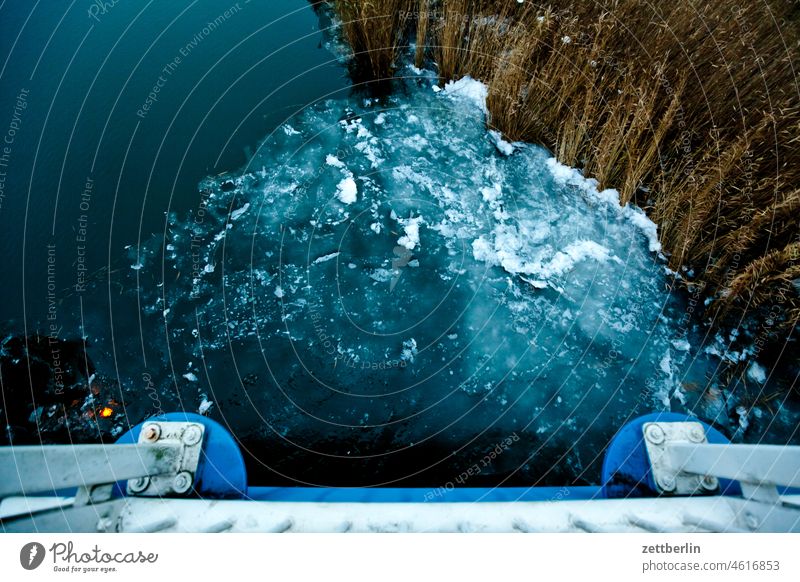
x=138 y=485
x=183 y=482
x=654 y=434
x=151 y=432
x=192 y=435
x=709 y=483
x=751 y=520
x=666 y=483
x=697 y=435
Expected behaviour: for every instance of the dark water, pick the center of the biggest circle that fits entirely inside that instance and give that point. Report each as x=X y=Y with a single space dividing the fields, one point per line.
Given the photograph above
x=222 y=88
x=110 y=117
x=119 y=122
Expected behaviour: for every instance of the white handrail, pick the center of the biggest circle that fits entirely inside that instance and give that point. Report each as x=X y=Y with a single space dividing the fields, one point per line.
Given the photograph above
x=25 y=470
x=754 y=464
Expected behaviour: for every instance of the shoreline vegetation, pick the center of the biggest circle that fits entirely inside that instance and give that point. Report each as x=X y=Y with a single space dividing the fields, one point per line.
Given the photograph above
x=691 y=110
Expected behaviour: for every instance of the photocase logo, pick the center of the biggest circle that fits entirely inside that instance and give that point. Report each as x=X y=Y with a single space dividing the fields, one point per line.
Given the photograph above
x=31 y=555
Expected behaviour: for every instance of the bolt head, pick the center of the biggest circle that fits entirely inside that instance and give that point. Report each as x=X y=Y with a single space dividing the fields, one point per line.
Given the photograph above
x=666 y=483
x=139 y=485
x=709 y=483
x=192 y=435
x=151 y=432
x=751 y=520
x=183 y=482
x=697 y=435
x=654 y=434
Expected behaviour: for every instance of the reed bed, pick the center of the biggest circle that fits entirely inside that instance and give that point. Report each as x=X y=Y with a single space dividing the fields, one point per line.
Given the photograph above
x=375 y=31
x=690 y=109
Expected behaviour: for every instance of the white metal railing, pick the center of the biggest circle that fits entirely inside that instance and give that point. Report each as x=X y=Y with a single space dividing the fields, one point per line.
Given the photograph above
x=756 y=464
x=33 y=469
x=683 y=462
x=164 y=462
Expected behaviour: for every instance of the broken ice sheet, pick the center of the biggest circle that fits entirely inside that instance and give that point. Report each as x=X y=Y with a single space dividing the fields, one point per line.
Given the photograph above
x=405 y=266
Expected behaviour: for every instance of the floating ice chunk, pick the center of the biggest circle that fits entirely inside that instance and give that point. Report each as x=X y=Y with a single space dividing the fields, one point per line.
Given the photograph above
x=681 y=345
x=325 y=258
x=666 y=364
x=508 y=251
x=209 y=268
x=363 y=132
x=679 y=394
x=482 y=250
x=409 y=350
x=380 y=119
x=205 y=405
x=535 y=283
x=137 y=266
x=406 y=173
x=565 y=175
x=351 y=124
x=639 y=219
x=416 y=142
x=279 y=292
x=334 y=161
x=491 y=194
x=580 y=250
x=371 y=152
x=744 y=422
x=757 y=373
x=608 y=196
x=191 y=377
x=375 y=227
x=237 y=214
x=347 y=191
x=502 y=145
x=470 y=90
x=381 y=275
x=289 y=130
x=411 y=227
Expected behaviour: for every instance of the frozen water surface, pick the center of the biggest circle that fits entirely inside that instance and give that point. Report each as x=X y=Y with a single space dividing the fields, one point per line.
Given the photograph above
x=388 y=290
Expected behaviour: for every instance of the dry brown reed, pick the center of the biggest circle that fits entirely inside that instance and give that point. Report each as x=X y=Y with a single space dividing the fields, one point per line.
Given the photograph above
x=690 y=109
x=422 y=32
x=375 y=31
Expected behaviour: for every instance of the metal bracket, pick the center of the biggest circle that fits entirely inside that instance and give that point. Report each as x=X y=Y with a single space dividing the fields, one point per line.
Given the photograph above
x=671 y=480
x=93 y=494
x=188 y=437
